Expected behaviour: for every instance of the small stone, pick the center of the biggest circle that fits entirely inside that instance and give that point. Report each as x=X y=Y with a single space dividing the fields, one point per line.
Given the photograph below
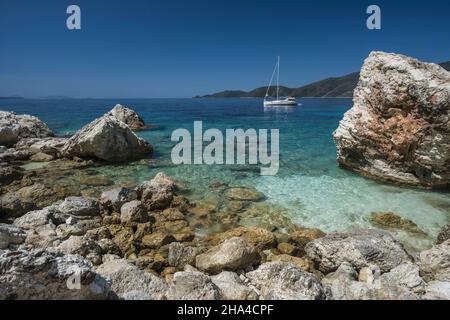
x=157 y=240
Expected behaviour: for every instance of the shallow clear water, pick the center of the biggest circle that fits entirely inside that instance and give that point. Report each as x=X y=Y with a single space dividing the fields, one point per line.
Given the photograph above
x=315 y=192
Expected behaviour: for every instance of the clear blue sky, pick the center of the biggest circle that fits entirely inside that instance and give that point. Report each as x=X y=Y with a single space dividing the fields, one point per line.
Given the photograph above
x=181 y=48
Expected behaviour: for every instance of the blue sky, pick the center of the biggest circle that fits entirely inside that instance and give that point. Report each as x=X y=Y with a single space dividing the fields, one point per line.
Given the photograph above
x=181 y=48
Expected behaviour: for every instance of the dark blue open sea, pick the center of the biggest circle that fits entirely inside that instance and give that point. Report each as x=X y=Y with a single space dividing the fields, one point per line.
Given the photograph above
x=309 y=187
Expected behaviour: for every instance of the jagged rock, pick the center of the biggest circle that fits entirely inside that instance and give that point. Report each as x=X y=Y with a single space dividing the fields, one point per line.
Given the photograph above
x=13 y=206
x=47 y=146
x=360 y=248
x=180 y=255
x=79 y=207
x=302 y=263
x=232 y=287
x=157 y=193
x=115 y=198
x=435 y=262
x=12 y=154
x=192 y=286
x=389 y=220
x=133 y=211
x=107 y=139
x=128 y=282
x=232 y=254
x=444 y=234
x=401 y=283
x=129 y=117
x=9 y=174
x=15 y=127
x=35 y=219
x=243 y=194
x=397 y=129
x=437 y=290
x=11 y=235
x=258 y=237
x=43 y=275
x=82 y=246
x=285 y=281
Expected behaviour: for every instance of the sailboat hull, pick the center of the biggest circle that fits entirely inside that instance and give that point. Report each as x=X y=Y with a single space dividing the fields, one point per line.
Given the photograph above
x=280 y=103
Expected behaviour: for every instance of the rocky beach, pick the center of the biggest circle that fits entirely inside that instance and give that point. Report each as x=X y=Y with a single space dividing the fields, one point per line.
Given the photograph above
x=63 y=221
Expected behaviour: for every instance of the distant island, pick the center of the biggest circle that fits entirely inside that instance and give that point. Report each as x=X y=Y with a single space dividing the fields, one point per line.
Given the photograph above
x=337 y=87
x=12 y=97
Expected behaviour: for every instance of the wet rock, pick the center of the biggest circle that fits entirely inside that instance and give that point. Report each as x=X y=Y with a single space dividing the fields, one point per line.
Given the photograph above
x=243 y=194
x=128 y=282
x=359 y=248
x=287 y=248
x=129 y=117
x=157 y=193
x=10 y=235
x=14 y=127
x=302 y=263
x=133 y=211
x=435 y=262
x=389 y=220
x=193 y=286
x=180 y=255
x=115 y=198
x=232 y=287
x=156 y=240
x=13 y=206
x=107 y=139
x=232 y=254
x=397 y=129
x=258 y=237
x=43 y=195
x=444 y=234
x=285 y=281
x=42 y=275
x=303 y=236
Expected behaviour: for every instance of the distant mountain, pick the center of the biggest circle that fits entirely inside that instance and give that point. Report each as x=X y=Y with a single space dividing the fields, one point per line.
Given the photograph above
x=331 y=87
x=11 y=97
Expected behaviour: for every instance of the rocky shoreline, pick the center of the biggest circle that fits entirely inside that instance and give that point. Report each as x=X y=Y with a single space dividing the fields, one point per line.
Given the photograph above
x=114 y=240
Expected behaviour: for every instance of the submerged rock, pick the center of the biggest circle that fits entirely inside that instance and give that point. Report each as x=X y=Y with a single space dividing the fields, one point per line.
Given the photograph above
x=232 y=254
x=389 y=220
x=108 y=139
x=129 y=117
x=15 y=127
x=285 y=281
x=359 y=248
x=397 y=129
x=243 y=194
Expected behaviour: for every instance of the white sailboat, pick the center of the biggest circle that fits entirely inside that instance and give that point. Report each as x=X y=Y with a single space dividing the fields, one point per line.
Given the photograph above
x=278 y=101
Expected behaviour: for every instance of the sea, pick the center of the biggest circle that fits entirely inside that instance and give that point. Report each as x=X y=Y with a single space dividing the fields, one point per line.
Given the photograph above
x=310 y=188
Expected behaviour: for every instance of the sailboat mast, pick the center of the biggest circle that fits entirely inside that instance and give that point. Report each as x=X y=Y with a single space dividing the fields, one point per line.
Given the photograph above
x=278 y=77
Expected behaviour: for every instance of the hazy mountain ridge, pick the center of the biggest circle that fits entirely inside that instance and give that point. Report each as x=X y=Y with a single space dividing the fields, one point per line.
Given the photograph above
x=338 y=87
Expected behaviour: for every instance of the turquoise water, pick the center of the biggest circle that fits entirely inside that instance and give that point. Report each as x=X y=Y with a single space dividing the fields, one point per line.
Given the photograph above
x=310 y=187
